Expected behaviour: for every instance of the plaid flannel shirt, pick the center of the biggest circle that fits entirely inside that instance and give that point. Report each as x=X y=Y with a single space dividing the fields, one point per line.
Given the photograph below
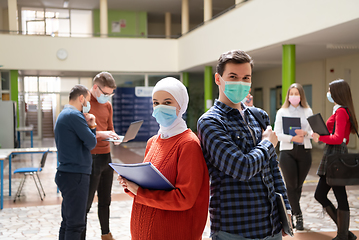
x=244 y=175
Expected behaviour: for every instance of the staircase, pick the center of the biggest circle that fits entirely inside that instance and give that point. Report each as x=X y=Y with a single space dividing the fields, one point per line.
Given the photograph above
x=47 y=116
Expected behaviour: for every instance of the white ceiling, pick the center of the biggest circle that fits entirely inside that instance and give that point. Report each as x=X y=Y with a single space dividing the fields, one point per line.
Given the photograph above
x=311 y=47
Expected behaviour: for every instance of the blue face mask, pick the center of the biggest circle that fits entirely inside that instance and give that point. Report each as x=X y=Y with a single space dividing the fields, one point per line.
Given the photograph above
x=165 y=115
x=329 y=96
x=86 y=109
x=103 y=99
x=236 y=91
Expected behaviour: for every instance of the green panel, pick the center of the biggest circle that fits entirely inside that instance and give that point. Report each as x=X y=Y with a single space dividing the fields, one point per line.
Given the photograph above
x=208 y=86
x=142 y=23
x=135 y=23
x=185 y=78
x=288 y=68
x=14 y=91
x=96 y=22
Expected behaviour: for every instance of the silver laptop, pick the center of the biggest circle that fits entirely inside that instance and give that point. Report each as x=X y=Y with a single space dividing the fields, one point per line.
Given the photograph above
x=130 y=133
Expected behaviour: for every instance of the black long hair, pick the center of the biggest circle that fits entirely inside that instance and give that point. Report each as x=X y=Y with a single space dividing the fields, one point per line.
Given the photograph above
x=341 y=94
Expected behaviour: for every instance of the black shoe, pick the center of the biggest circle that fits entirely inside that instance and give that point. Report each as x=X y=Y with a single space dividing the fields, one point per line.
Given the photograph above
x=299 y=222
x=351 y=236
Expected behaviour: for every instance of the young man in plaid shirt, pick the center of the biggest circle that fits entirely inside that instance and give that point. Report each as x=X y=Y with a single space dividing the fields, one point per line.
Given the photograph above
x=241 y=159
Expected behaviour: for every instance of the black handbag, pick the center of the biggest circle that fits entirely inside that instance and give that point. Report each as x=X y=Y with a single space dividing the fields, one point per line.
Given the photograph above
x=343 y=168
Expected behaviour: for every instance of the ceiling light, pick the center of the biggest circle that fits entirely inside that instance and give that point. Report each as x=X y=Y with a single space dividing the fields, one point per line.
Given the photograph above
x=342 y=46
x=66 y=4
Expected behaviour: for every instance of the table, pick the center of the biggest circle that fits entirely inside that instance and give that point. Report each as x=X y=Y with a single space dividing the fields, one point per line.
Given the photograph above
x=6 y=153
x=25 y=129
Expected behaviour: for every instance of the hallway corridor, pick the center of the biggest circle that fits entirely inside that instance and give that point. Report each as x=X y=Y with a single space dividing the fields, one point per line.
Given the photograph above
x=31 y=218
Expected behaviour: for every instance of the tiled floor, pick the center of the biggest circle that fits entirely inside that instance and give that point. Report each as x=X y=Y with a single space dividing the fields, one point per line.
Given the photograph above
x=31 y=218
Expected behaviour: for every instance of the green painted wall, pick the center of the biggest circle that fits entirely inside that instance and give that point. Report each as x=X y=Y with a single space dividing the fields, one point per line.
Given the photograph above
x=136 y=23
x=185 y=78
x=14 y=91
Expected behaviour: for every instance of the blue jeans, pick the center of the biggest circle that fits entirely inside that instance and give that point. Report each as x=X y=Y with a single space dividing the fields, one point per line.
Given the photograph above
x=228 y=236
x=74 y=189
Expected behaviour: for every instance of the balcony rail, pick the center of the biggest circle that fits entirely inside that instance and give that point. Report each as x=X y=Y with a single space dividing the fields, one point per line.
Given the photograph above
x=119 y=35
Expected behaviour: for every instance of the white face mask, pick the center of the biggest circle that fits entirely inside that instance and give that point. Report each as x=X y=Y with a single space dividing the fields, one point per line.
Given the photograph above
x=86 y=109
x=103 y=98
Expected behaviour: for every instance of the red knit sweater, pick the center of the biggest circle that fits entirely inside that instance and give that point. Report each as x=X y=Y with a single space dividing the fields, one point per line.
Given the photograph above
x=180 y=213
x=342 y=128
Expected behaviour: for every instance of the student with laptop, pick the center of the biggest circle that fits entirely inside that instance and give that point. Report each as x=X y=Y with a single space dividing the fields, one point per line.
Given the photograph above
x=180 y=213
x=102 y=174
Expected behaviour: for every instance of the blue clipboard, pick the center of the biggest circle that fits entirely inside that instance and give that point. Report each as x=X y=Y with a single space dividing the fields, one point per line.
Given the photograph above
x=143 y=174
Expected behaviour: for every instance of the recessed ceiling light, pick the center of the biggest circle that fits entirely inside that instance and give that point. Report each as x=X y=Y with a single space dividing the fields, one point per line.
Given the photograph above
x=342 y=46
x=66 y=4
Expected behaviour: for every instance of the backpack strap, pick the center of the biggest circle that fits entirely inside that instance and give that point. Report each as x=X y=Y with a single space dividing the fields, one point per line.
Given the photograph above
x=255 y=112
x=351 y=121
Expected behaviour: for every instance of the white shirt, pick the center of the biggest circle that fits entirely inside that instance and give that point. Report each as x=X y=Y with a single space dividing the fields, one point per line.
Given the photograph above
x=285 y=139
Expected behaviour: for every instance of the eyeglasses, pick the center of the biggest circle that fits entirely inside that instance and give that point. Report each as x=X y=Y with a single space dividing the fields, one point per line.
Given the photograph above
x=106 y=94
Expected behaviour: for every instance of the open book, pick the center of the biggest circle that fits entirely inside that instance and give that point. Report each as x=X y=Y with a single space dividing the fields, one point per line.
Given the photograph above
x=143 y=174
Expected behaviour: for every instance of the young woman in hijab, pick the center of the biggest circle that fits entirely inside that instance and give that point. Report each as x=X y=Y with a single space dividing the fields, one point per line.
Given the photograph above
x=295 y=156
x=182 y=212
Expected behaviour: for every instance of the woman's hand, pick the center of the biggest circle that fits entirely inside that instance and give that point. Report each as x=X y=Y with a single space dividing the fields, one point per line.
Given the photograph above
x=298 y=139
x=130 y=186
x=300 y=132
x=315 y=137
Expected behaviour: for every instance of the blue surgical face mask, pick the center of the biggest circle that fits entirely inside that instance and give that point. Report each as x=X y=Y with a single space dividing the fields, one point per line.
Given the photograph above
x=236 y=91
x=329 y=96
x=86 y=109
x=103 y=99
x=165 y=115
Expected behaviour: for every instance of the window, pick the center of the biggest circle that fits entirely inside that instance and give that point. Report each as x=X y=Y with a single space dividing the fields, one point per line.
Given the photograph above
x=56 y=22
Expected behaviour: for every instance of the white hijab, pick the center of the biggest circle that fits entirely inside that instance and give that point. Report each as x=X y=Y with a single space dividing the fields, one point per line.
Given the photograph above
x=179 y=92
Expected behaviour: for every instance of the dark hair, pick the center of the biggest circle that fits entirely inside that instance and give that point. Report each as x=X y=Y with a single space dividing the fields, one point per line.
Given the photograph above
x=77 y=91
x=303 y=99
x=104 y=79
x=341 y=94
x=234 y=56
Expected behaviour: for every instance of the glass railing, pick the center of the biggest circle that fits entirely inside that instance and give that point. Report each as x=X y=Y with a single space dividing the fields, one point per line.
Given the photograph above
x=119 y=35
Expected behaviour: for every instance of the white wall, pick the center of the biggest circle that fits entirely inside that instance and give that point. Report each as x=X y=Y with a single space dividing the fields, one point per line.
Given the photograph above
x=89 y=54
x=319 y=76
